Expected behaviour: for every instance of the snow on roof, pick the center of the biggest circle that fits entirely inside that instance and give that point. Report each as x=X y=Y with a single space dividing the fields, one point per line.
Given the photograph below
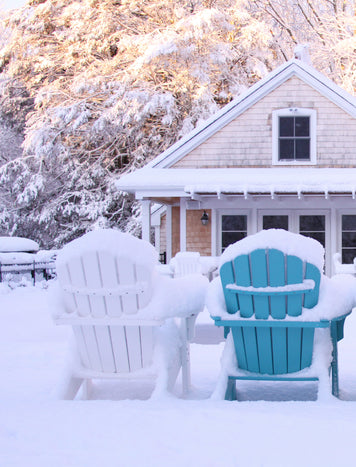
x=15 y=244
x=187 y=182
x=289 y=243
x=114 y=242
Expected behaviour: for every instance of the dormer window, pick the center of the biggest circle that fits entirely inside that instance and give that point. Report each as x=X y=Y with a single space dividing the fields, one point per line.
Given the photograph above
x=294 y=138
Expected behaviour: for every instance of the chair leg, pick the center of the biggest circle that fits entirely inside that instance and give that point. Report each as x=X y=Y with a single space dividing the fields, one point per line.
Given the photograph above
x=185 y=356
x=334 y=362
x=87 y=388
x=231 y=394
x=72 y=388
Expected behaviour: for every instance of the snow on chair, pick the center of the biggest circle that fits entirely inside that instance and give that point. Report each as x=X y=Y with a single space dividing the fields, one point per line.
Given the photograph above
x=270 y=284
x=119 y=311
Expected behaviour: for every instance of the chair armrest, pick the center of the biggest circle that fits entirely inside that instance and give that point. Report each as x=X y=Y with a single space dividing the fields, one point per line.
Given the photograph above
x=274 y=323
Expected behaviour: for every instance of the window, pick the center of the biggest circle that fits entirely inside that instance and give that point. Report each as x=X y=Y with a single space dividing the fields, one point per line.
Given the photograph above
x=313 y=226
x=233 y=228
x=293 y=133
x=275 y=222
x=348 y=238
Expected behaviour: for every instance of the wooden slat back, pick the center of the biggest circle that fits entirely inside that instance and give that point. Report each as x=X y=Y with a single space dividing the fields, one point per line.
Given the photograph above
x=264 y=349
x=186 y=262
x=295 y=275
x=98 y=284
x=241 y=266
x=89 y=282
x=277 y=278
x=273 y=351
x=73 y=274
x=268 y=268
x=115 y=349
x=259 y=275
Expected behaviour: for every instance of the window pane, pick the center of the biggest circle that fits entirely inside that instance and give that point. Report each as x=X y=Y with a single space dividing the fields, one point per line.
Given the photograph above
x=286 y=126
x=348 y=239
x=348 y=255
x=319 y=236
x=275 y=222
x=314 y=223
x=286 y=149
x=234 y=222
x=302 y=149
x=301 y=126
x=227 y=238
x=348 y=222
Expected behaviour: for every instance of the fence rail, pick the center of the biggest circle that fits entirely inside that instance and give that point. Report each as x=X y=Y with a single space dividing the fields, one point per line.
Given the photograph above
x=46 y=269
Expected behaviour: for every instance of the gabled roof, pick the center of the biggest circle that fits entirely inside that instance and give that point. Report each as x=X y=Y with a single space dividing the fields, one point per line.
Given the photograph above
x=236 y=107
x=158 y=179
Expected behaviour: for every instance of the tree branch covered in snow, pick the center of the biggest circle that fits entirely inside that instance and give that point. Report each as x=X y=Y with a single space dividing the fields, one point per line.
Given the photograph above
x=97 y=88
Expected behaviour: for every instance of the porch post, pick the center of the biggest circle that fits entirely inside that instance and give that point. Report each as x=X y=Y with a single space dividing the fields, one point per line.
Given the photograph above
x=335 y=232
x=146 y=220
x=169 y=232
x=183 y=225
x=158 y=238
x=214 y=242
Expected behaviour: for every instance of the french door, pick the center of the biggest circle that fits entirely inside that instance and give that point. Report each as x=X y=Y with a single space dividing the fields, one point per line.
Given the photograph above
x=234 y=226
x=314 y=224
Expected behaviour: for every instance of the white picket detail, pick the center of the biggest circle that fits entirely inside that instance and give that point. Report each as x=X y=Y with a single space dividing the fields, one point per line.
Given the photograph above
x=126 y=274
x=109 y=274
x=143 y=276
x=91 y=271
x=77 y=277
x=69 y=299
x=104 y=342
x=91 y=344
x=133 y=342
x=147 y=344
x=119 y=347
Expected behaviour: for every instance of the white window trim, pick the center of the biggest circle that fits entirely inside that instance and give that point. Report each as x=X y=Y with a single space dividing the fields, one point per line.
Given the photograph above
x=293 y=111
x=233 y=212
x=343 y=212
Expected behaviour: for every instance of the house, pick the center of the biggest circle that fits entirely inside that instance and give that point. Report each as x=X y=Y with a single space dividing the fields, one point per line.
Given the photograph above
x=283 y=155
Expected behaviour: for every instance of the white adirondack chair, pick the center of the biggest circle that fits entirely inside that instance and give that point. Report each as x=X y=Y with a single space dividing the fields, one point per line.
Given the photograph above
x=109 y=292
x=186 y=262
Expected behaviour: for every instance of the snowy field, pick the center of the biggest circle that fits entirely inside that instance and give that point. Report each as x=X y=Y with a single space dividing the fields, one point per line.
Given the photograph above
x=120 y=427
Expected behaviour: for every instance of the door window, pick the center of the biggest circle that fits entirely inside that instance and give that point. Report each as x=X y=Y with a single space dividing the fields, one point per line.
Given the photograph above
x=348 y=238
x=275 y=222
x=233 y=229
x=313 y=226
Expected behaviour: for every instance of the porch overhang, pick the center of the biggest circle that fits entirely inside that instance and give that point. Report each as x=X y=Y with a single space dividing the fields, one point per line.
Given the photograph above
x=172 y=184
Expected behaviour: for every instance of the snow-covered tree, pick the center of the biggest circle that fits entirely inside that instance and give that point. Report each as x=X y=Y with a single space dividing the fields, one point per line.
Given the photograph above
x=97 y=88
x=114 y=83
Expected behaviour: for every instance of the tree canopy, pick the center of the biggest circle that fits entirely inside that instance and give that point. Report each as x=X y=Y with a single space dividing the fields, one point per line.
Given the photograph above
x=92 y=89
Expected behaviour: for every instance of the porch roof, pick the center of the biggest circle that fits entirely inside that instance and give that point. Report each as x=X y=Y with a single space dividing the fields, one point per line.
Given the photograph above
x=190 y=183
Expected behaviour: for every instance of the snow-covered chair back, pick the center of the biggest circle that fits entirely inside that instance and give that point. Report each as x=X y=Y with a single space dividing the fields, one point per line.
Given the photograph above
x=268 y=283
x=106 y=279
x=186 y=262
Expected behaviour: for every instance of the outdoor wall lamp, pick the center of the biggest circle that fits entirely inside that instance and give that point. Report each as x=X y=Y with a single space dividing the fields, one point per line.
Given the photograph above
x=204 y=218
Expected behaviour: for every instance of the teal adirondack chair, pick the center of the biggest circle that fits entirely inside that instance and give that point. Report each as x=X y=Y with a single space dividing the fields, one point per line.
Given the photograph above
x=265 y=292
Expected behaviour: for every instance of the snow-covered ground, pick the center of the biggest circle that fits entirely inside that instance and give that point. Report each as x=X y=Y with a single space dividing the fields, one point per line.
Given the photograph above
x=120 y=427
